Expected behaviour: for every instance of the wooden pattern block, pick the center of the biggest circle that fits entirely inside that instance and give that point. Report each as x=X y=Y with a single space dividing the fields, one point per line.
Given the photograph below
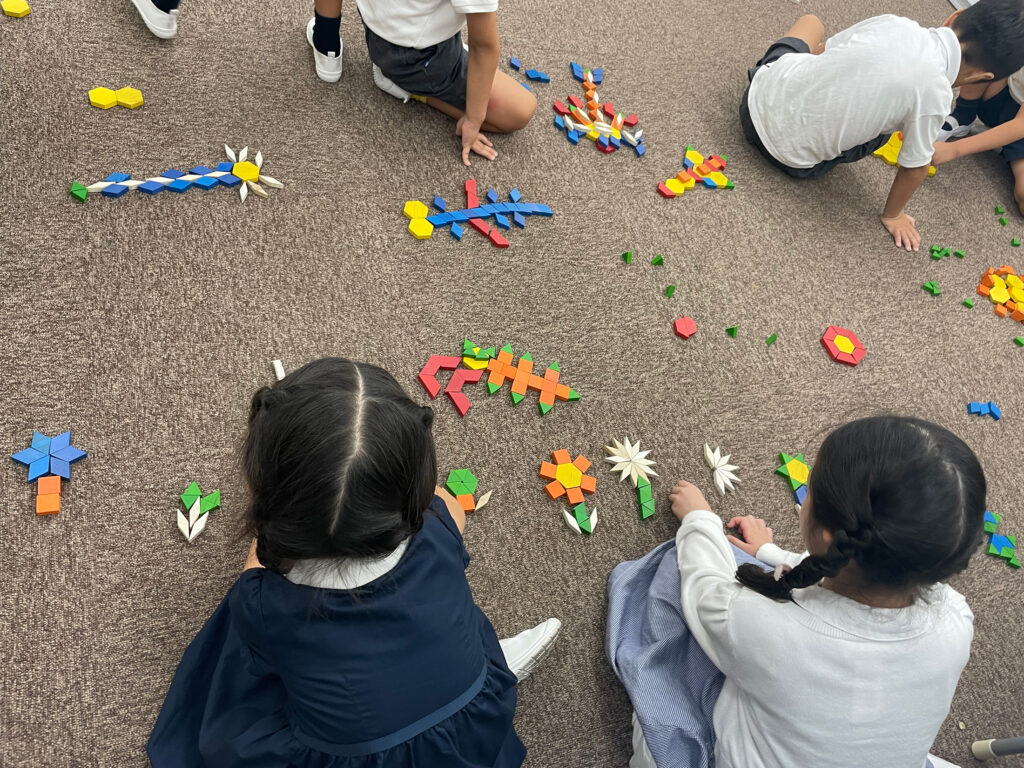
x=47 y=485
x=47 y=503
x=502 y=368
x=428 y=373
x=842 y=345
x=460 y=377
x=696 y=171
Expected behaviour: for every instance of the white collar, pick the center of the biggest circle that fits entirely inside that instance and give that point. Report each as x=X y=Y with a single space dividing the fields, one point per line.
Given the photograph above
x=346 y=573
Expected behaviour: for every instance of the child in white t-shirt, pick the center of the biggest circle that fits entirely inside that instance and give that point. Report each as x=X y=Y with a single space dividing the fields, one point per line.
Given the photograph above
x=417 y=51
x=998 y=106
x=847 y=655
x=814 y=103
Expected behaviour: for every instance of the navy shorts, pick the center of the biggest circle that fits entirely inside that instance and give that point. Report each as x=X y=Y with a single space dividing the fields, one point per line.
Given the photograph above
x=437 y=70
x=776 y=51
x=999 y=109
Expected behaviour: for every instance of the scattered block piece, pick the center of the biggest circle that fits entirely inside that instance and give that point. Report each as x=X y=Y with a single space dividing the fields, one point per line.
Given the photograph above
x=842 y=345
x=104 y=98
x=969 y=303
x=670 y=291
x=428 y=373
x=932 y=287
x=685 y=327
x=79 y=192
x=421 y=229
x=628 y=257
x=131 y=98
x=732 y=330
x=1019 y=341
x=771 y=339
x=15 y=8
x=1000 y=210
x=514 y=63
x=657 y=261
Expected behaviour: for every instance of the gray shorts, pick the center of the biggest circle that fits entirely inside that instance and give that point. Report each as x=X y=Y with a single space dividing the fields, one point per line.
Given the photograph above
x=438 y=70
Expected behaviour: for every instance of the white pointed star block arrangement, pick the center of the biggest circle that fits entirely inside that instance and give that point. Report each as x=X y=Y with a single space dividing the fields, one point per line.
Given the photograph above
x=633 y=463
x=722 y=470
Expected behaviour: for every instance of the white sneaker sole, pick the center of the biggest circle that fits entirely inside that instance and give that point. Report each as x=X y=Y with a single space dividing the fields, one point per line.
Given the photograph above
x=332 y=75
x=539 y=650
x=164 y=25
x=957 y=133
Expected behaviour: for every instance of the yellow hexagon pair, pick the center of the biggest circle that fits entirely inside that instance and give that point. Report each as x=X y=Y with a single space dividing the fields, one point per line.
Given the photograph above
x=15 y=8
x=104 y=98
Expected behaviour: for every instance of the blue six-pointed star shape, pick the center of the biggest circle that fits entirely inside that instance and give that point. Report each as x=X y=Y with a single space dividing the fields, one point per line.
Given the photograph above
x=49 y=455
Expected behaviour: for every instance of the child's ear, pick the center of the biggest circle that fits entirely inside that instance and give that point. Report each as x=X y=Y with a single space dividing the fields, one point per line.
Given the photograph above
x=979 y=77
x=952 y=17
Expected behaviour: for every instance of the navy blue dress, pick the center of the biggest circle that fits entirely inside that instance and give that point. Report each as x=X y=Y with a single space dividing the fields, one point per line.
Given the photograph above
x=405 y=671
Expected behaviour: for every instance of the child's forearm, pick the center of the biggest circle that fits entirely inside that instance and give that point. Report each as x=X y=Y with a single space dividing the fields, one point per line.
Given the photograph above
x=483 y=63
x=903 y=188
x=993 y=138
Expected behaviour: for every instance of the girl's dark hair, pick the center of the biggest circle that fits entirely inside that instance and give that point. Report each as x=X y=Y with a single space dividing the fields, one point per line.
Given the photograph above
x=339 y=462
x=992 y=35
x=902 y=497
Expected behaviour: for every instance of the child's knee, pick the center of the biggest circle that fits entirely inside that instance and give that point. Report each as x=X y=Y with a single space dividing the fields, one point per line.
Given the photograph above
x=519 y=113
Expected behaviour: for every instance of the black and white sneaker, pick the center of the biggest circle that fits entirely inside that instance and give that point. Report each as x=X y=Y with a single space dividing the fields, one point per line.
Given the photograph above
x=951 y=129
x=527 y=649
x=163 y=25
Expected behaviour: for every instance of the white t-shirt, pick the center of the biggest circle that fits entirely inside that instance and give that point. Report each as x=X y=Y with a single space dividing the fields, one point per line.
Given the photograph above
x=882 y=75
x=419 y=23
x=1015 y=83
x=824 y=681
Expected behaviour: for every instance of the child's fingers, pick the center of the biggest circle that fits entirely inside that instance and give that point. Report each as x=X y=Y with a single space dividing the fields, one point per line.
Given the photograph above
x=465 y=156
x=742 y=545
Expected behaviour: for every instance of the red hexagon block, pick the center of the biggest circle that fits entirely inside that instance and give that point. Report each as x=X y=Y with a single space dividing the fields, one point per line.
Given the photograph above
x=685 y=327
x=837 y=342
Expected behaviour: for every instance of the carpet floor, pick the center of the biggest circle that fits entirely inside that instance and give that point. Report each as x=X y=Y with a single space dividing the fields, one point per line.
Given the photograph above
x=144 y=324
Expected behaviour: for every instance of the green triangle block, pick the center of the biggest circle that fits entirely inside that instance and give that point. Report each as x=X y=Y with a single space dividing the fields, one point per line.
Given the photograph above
x=492 y=388
x=958 y=253
x=990 y=527
x=729 y=184
x=969 y=303
x=507 y=348
x=642 y=482
x=188 y=498
x=580 y=513
x=554 y=366
x=573 y=394
x=526 y=356
x=793 y=483
x=1014 y=562
x=771 y=339
x=731 y=330
x=670 y=291
x=657 y=261
x=485 y=353
x=1004 y=222
x=78 y=191
x=992 y=550
x=208 y=502
x=544 y=408
x=1015 y=242
x=516 y=398
x=1000 y=209
x=724 y=158
x=646 y=510
x=467 y=347
x=628 y=257
x=1019 y=341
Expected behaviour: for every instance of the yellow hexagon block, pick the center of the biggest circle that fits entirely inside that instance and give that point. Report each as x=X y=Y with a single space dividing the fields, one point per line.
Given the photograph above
x=420 y=228
x=843 y=344
x=797 y=469
x=414 y=209
x=471 y=362
x=568 y=475
x=246 y=171
x=129 y=97
x=104 y=98
x=15 y=8
x=675 y=185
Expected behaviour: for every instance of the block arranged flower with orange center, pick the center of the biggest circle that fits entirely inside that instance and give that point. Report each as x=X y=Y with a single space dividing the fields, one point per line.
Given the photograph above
x=568 y=479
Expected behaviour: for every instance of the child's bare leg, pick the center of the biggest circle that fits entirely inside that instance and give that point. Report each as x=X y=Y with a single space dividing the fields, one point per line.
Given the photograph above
x=331 y=8
x=809 y=29
x=509 y=107
x=1017 y=166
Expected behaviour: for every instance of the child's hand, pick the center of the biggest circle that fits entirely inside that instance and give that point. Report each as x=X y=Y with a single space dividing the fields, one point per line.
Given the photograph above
x=903 y=231
x=944 y=152
x=685 y=498
x=473 y=140
x=754 y=534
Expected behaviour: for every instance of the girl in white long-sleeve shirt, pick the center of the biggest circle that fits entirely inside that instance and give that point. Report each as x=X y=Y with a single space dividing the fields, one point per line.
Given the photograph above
x=849 y=654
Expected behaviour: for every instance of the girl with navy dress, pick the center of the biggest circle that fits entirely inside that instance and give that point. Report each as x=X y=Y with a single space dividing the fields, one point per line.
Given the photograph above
x=351 y=639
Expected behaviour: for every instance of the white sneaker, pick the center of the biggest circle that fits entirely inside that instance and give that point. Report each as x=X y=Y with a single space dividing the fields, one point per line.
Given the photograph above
x=527 y=649
x=328 y=66
x=956 y=132
x=387 y=86
x=163 y=25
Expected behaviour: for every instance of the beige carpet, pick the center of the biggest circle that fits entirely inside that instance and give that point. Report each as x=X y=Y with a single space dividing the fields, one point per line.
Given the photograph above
x=144 y=324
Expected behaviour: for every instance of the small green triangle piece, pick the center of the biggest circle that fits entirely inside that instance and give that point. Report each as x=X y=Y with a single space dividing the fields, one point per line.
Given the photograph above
x=627 y=257
x=574 y=395
x=642 y=482
x=467 y=347
x=1019 y=341
x=554 y=366
x=544 y=408
x=1015 y=242
x=670 y=291
x=507 y=348
x=516 y=398
x=485 y=353
x=78 y=191
x=208 y=502
x=771 y=339
x=969 y=303
x=188 y=498
x=492 y=388
x=1004 y=222
x=657 y=261
x=731 y=330
x=724 y=158
x=730 y=184
x=526 y=356
x=1000 y=209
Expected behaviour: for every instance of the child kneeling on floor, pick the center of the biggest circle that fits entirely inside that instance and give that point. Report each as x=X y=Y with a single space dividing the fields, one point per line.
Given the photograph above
x=351 y=639
x=814 y=103
x=846 y=655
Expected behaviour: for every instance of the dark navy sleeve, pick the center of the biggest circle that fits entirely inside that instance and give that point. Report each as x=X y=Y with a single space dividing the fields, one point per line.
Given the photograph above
x=439 y=510
x=247 y=617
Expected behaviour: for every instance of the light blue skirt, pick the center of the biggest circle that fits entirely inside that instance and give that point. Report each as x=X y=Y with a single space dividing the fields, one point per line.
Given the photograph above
x=670 y=680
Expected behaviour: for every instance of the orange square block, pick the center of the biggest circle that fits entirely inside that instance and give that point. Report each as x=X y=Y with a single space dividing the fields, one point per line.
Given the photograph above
x=983 y=290
x=574 y=495
x=582 y=463
x=48 y=504
x=48 y=484
x=1017 y=315
x=466 y=502
x=548 y=470
x=555 y=489
x=588 y=484
x=1000 y=310
x=1005 y=270
x=561 y=457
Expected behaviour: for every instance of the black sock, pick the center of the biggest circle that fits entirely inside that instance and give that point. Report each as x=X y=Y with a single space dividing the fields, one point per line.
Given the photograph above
x=327 y=33
x=166 y=5
x=965 y=111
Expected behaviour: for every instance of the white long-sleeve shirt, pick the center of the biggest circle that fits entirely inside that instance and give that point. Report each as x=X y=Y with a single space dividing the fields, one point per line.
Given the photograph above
x=823 y=681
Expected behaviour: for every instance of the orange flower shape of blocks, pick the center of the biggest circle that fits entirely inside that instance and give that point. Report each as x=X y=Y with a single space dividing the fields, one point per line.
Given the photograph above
x=1005 y=289
x=567 y=477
